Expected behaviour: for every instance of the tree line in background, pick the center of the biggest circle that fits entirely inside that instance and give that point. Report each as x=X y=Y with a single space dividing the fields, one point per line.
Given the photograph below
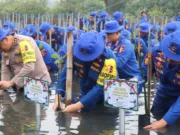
x=131 y=7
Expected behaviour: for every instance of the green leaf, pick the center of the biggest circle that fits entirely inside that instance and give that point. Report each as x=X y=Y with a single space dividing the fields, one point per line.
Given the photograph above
x=41 y=46
x=55 y=56
x=56 y=62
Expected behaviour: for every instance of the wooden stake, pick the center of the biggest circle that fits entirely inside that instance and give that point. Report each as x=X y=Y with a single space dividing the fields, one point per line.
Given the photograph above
x=149 y=71
x=13 y=17
x=19 y=20
x=162 y=27
x=131 y=21
x=69 y=69
x=38 y=20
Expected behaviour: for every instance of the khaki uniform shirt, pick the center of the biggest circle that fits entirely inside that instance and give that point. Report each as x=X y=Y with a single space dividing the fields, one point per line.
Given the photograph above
x=23 y=60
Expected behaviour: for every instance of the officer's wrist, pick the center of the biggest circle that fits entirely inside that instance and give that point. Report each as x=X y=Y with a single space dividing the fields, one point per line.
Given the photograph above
x=12 y=83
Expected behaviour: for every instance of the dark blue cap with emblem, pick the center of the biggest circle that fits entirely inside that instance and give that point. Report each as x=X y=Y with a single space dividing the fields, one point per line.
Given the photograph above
x=89 y=46
x=170 y=46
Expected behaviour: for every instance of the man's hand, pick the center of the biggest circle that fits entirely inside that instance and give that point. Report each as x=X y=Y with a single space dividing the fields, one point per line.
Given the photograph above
x=74 y=107
x=156 y=125
x=6 y=84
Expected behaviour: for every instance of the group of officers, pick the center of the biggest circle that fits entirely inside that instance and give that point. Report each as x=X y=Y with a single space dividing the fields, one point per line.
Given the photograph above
x=106 y=51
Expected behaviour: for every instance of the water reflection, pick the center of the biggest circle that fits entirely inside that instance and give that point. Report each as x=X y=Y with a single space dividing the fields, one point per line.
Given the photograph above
x=19 y=117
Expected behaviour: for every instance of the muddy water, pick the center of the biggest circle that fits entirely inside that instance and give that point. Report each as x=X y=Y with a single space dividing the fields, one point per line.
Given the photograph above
x=19 y=117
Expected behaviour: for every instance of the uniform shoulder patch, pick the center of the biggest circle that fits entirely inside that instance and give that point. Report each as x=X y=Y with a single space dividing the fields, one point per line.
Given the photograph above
x=28 y=53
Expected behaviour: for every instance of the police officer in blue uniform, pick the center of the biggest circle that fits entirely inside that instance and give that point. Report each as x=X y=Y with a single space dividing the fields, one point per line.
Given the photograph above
x=156 y=30
x=144 y=32
x=143 y=49
x=103 y=17
x=118 y=16
x=90 y=22
x=57 y=34
x=128 y=67
x=166 y=63
x=144 y=17
x=92 y=66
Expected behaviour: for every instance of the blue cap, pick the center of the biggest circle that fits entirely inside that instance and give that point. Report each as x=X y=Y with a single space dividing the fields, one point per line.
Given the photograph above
x=170 y=46
x=71 y=28
x=112 y=26
x=103 y=15
x=171 y=27
x=9 y=25
x=4 y=33
x=89 y=46
x=30 y=28
x=93 y=14
x=126 y=34
x=44 y=27
x=117 y=15
x=144 y=27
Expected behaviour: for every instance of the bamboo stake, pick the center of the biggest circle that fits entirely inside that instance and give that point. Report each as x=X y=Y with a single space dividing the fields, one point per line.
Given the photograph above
x=65 y=33
x=101 y=25
x=78 y=21
x=16 y=18
x=19 y=20
x=69 y=69
x=13 y=17
x=131 y=19
x=59 y=20
x=38 y=20
x=166 y=20
x=67 y=16
x=95 y=23
x=149 y=71
x=50 y=38
x=162 y=27
x=26 y=19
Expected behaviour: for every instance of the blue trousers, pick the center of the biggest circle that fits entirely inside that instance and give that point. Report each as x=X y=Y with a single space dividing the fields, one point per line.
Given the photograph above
x=162 y=103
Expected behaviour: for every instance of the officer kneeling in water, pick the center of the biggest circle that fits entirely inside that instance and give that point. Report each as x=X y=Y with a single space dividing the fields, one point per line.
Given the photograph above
x=93 y=63
x=21 y=57
x=166 y=62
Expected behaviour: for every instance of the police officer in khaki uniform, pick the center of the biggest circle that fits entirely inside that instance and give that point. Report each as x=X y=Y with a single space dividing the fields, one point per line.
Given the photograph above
x=21 y=57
